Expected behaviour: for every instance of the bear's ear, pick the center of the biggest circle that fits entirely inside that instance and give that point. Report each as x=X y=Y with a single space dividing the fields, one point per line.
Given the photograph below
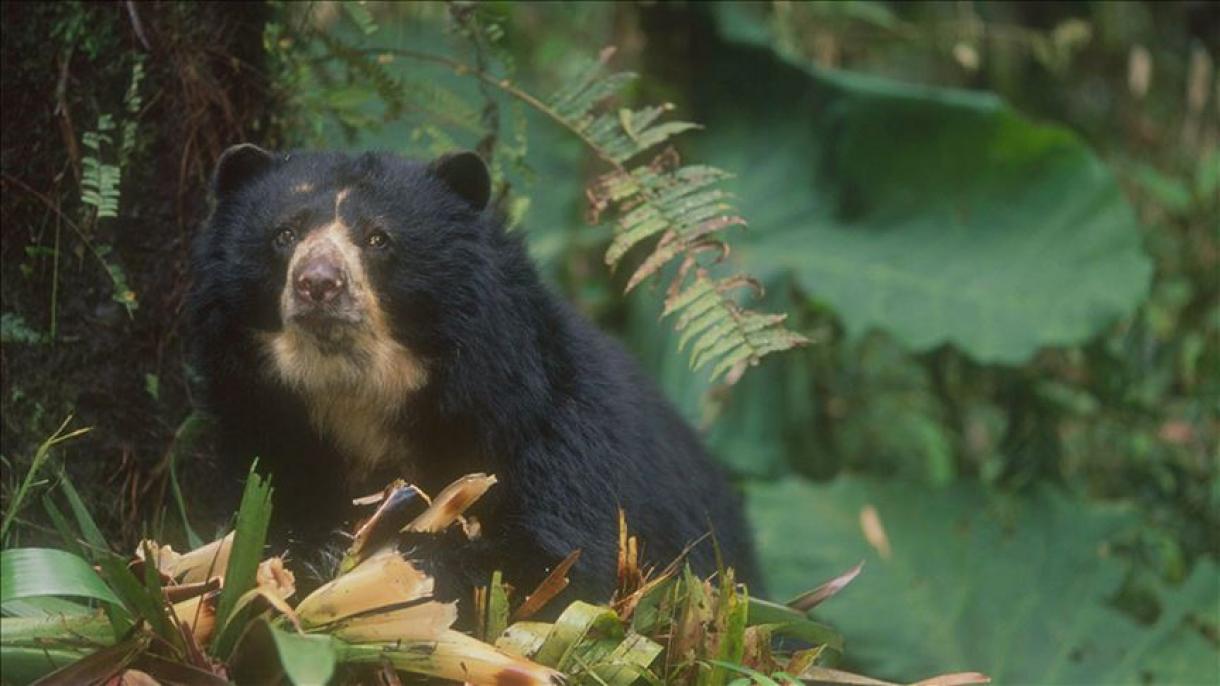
x=465 y=174
x=237 y=166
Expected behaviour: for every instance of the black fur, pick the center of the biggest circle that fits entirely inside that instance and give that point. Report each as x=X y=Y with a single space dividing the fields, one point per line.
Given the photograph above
x=520 y=385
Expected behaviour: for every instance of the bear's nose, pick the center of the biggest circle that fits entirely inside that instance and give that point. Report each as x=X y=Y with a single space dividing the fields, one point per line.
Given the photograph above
x=319 y=281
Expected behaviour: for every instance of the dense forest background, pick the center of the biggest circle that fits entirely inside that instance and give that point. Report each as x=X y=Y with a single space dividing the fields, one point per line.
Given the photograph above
x=997 y=225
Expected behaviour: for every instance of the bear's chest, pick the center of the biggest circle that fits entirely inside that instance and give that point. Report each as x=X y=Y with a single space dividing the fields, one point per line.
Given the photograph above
x=362 y=430
x=354 y=397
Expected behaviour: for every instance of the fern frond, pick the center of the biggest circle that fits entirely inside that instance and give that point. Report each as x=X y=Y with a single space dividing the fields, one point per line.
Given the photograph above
x=363 y=69
x=682 y=209
x=443 y=105
x=361 y=16
x=99 y=180
x=132 y=103
x=99 y=186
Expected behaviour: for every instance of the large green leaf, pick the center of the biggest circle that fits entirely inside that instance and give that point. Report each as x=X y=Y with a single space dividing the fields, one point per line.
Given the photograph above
x=1018 y=589
x=939 y=215
x=32 y=572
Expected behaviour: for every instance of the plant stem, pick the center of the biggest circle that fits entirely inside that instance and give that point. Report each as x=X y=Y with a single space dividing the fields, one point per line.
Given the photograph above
x=40 y=458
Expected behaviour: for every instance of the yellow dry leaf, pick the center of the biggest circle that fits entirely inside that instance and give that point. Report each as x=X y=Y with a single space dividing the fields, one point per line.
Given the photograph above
x=448 y=507
x=382 y=580
x=423 y=622
x=198 y=613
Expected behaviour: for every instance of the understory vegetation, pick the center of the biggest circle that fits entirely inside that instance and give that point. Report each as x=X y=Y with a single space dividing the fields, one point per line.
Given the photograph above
x=939 y=282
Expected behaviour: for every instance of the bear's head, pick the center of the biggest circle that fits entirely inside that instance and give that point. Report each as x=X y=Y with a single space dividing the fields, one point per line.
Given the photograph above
x=348 y=275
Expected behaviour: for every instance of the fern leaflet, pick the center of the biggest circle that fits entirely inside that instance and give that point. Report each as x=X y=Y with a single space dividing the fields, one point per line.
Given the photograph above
x=682 y=209
x=99 y=180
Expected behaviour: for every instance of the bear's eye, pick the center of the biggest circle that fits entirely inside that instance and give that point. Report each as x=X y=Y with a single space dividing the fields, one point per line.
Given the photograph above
x=284 y=237
x=377 y=240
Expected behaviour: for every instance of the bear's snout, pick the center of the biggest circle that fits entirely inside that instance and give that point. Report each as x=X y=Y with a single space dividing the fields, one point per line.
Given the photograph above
x=324 y=292
x=319 y=280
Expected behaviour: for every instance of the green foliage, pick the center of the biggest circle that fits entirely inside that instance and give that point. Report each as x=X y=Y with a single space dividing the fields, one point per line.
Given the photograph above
x=78 y=29
x=99 y=180
x=984 y=231
x=661 y=629
x=1020 y=587
x=14 y=329
x=17 y=500
x=29 y=574
x=253 y=517
x=360 y=14
x=43 y=607
x=497 y=612
x=189 y=432
x=331 y=86
x=1125 y=411
x=270 y=654
x=33 y=572
x=132 y=102
x=562 y=642
x=682 y=206
x=25 y=653
x=86 y=540
x=122 y=292
x=91 y=535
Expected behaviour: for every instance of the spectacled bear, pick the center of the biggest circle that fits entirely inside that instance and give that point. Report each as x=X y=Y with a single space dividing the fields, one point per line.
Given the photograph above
x=364 y=318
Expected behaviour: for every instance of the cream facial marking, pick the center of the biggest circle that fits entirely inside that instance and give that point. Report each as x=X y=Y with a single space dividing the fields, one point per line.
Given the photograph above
x=351 y=372
x=303 y=187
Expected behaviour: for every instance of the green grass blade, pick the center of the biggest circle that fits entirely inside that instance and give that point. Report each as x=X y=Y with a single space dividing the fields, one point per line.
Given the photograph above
x=136 y=597
x=88 y=527
x=71 y=540
x=789 y=622
x=523 y=638
x=40 y=458
x=732 y=612
x=629 y=661
x=497 y=608
x=253 y=517
x=119 y=617
x=187 y=434
x=571 y=628
x=753 y=676
x=114 y=570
